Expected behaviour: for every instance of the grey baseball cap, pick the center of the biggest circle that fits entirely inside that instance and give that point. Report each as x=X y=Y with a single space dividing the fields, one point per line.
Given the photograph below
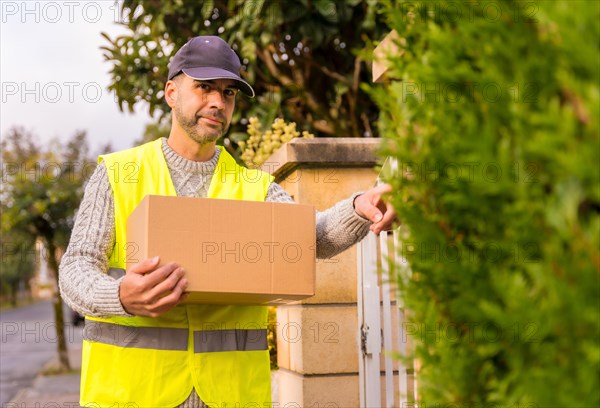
x=206 y=58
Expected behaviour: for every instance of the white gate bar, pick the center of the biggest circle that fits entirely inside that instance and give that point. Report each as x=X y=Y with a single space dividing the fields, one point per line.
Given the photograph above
x=359 y=341
x=387 y=320
x=370 y=323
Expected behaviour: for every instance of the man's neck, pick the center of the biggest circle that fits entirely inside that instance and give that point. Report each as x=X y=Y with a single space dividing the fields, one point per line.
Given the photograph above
x=188 y=149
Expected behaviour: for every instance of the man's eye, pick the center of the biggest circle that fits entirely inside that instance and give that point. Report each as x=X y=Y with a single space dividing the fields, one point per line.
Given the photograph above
x=230 y=92
x=204 y=86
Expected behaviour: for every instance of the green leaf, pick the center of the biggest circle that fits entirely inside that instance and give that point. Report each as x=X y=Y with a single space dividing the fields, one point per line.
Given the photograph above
x=207 y=9
x=327 y=9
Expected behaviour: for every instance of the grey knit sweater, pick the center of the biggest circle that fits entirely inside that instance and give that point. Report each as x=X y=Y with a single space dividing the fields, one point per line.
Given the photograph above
x=84 y=283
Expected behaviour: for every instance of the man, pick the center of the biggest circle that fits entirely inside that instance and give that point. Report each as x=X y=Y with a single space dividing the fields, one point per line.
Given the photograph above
x=141 y=347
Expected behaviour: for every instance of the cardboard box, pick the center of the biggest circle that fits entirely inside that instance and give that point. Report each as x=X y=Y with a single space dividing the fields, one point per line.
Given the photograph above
x=233 y=252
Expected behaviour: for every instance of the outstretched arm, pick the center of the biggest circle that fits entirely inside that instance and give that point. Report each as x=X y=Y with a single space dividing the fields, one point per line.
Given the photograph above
x=343 y=225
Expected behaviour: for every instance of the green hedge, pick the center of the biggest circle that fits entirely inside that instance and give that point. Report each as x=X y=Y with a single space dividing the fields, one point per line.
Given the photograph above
x=492 y=113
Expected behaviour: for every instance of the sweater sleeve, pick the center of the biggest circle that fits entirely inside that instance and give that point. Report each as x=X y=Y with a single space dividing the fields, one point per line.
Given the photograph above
x=338 y=228
x=83 y=280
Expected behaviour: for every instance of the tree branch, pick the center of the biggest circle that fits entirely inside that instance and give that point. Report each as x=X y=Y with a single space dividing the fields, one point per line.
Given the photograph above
x=266 y=55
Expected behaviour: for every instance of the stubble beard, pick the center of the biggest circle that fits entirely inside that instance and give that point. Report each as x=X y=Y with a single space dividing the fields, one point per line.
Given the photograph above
x=197 y=132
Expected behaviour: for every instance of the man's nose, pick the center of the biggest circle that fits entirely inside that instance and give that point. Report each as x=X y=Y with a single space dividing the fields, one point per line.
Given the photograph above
x=216 y=100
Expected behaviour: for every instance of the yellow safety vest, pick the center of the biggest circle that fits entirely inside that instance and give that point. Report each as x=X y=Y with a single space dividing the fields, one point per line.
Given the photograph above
x=221 y=351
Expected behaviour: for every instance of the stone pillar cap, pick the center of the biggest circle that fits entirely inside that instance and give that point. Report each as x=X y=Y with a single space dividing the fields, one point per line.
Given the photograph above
x=322 y=152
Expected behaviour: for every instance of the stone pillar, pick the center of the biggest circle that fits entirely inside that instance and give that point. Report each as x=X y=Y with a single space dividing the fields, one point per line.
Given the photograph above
x=317 y=339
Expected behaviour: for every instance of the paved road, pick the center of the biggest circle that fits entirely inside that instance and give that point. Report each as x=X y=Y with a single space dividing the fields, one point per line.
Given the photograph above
x=27 y=342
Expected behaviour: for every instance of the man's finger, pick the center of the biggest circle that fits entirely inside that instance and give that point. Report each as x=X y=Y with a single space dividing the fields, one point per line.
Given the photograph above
x=169 y=283
x=161 y=274
x=147 y=265
x=382 y=189
x=169 y=301
x=372 y=213
x=388 y=219
x=386 y=222
x=375 y=193
x=369 y=205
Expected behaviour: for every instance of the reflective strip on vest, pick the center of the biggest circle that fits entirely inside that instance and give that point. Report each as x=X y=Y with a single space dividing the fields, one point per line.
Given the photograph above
x=212 y=341
x=116 y=273
x=168 y=338
x=157 y=338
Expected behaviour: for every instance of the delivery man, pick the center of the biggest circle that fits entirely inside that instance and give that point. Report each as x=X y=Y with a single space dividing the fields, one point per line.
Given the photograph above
x=142 y=349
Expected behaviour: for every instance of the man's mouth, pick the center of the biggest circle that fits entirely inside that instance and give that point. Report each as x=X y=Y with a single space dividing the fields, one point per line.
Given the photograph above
x=212 y=120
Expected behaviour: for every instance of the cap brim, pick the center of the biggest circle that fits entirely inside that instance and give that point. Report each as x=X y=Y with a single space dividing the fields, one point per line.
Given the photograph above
x=209 y=73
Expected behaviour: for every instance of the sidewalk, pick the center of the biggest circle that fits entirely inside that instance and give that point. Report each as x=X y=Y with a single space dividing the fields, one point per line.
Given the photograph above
x=57 y=391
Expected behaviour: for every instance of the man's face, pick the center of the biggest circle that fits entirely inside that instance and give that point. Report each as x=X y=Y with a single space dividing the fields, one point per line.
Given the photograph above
x=203 y=109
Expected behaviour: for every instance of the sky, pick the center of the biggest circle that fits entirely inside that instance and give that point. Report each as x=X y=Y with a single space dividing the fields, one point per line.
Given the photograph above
x=53 y=76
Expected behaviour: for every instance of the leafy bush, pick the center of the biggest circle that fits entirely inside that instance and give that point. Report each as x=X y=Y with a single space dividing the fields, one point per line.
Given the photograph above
x=16 y=265
x=491 y=109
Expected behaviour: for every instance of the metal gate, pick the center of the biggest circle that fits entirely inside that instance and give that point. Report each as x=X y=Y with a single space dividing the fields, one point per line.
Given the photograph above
x=386 y=378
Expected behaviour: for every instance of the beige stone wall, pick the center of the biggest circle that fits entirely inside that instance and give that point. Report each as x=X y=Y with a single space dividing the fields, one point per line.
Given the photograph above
x=317 y=339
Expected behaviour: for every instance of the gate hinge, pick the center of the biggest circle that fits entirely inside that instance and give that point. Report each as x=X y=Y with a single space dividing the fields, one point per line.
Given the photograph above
x=364 y=332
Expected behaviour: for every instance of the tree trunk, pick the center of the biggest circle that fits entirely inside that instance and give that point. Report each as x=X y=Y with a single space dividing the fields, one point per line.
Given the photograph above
x=63 y=354
x=14 y=290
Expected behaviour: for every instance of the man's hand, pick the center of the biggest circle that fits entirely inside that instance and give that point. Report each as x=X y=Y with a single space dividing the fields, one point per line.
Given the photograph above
x=148 y=290
x=371 y=206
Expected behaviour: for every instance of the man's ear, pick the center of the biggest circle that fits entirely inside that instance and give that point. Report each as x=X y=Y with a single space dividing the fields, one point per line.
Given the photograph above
x=171 y=93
